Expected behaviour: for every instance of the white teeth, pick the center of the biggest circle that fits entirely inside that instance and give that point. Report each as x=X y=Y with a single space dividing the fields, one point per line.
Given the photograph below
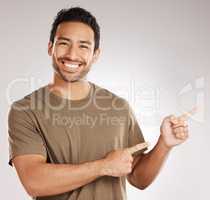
x=71 y=65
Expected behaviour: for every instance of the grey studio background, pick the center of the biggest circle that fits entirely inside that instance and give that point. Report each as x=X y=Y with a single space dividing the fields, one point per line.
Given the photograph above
x=155 y=53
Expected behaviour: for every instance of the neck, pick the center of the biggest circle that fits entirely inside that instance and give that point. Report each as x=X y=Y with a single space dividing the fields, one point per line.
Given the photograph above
x=70 y=90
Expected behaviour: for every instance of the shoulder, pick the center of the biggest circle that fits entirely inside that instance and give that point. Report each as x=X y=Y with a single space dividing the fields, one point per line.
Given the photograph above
x=31 y=98
x=27 y=104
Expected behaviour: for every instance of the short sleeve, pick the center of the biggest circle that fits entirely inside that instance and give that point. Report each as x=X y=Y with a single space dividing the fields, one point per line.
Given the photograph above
x=24 y=138
x=135 y=134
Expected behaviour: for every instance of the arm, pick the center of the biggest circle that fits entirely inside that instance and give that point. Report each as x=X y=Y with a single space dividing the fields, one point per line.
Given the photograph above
x=28 y=153
x=148 y=166
x=42 y=179
x=174 y=131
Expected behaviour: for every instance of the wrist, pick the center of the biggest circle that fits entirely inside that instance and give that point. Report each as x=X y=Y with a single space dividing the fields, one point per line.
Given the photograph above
x=101 y=164
x=163 y=145
x=96 y=167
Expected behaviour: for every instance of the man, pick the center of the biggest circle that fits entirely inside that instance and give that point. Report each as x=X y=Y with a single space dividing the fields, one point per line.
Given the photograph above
x=73 y=140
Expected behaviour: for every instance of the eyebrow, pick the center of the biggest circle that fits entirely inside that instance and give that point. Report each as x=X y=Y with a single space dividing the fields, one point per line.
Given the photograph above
x=81 y=41
x=64 y=38
x=85 y=42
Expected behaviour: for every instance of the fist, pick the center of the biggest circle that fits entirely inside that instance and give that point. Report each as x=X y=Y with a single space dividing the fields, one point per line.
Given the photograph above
x=174 y=130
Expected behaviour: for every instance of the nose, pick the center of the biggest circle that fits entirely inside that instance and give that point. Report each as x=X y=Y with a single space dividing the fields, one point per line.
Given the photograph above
x=72 y=53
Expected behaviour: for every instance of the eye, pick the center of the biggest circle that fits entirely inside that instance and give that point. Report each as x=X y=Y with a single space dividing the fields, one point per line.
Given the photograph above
x=63 y=43
x=83 y=47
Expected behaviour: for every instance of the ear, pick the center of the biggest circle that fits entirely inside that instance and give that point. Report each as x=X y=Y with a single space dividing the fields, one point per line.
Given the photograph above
x=50 y=46
x=96 y=55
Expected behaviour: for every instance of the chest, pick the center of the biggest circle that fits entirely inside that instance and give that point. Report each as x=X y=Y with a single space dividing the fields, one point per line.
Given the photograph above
x=76 y=137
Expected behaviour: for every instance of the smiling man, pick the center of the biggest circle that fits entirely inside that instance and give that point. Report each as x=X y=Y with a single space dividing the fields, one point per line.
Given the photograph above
x=74 y=140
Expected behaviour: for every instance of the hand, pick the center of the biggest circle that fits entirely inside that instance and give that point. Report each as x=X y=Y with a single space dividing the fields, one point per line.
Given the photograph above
x=174 y=130
x=119 y=162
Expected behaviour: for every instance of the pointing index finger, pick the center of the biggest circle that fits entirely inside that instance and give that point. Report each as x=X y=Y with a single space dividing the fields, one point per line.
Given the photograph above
x=188 y=114
x=137 y=147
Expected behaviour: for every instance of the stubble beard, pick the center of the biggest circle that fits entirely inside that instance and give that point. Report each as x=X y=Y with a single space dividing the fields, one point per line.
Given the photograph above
x=80 y=76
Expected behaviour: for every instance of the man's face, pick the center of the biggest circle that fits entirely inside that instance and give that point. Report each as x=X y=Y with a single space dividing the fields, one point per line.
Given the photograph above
x=73 y=51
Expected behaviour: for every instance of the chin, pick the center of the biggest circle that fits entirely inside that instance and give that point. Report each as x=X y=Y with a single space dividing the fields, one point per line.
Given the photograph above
x=71 y=79
x=74 y=80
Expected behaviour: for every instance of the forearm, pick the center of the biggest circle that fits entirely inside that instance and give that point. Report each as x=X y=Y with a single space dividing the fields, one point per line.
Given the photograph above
x=51 y=179
x=149 y=165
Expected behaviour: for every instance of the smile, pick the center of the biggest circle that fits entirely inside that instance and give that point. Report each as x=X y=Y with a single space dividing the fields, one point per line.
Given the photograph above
x=71 y=67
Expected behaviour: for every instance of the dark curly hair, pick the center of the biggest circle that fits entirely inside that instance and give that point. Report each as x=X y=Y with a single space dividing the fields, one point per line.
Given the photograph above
x=76 y=14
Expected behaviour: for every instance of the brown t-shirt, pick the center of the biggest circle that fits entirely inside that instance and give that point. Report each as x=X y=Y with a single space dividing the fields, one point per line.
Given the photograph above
x=72 y=132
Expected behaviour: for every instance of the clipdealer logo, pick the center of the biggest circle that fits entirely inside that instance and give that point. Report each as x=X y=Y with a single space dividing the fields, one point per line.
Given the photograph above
x=193 y=93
